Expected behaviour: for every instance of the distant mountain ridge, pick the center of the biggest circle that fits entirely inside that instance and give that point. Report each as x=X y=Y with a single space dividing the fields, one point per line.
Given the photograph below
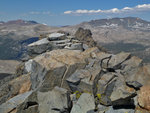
x=127 y=22
x=19 y=22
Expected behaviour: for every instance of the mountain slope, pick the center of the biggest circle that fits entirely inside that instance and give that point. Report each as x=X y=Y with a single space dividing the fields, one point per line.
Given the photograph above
x=13 y=33
x=117 y=33
x=130 y=34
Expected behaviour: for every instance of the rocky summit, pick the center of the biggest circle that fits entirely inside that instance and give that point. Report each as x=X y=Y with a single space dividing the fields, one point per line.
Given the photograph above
x=65 y=73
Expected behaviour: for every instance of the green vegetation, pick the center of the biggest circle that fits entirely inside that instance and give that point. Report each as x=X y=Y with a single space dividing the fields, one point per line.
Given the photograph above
x=8 y=48
x=133 y=48
x=127 y=47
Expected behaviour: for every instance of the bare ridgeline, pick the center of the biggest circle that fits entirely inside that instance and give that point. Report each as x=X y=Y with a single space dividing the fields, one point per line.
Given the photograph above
x=70 y=74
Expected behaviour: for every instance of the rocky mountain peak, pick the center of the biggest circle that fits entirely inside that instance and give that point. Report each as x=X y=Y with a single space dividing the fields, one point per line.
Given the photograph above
x=127 y=22
x=65 y=73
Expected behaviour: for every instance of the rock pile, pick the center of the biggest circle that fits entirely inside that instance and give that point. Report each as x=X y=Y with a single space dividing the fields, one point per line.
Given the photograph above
x=64 y=77
x=54 y=41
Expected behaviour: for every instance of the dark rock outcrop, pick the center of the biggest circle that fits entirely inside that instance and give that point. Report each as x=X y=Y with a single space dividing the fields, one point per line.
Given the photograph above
x=85 y=36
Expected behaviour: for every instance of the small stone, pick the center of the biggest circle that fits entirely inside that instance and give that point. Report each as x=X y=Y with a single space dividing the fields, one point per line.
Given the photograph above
x=84 y=104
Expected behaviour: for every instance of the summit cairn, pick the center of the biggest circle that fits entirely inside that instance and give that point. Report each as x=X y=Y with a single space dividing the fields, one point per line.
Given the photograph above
x=54 y=41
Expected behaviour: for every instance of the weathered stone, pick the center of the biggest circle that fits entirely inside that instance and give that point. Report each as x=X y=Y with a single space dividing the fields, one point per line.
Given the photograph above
x=39 y=42
x=56 y=36
x=30 y=105
x=129 y=64
x=13 y=102
x=85 y=36
x=84 y=104
x=131 y=67
x=53 y=78
x=14 y=87
x=142 y=75
x=118 y=58
x=78 y=75
x=82 y=79
x=58 y=98
x=122 y=94
x=144 y=97
x=47 y=102
x=58 y=58
x=39 y=47
x=104 y=81
x=37 y=74
x=121 y=91
x=75 y=81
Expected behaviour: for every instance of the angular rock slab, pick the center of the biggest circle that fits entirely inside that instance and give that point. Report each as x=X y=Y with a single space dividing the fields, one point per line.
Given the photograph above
x=82 y=79
x=142 y=75
x=84 y=104
x=14 y=102
x=14 y=87
x=56 y=36
x=37 y=73
x=122 y=95
x=47 y=102
x=39 y=47
x=121 y=91
x=58 y=98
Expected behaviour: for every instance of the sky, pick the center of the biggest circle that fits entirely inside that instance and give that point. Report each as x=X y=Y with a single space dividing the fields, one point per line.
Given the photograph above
x=71 y=12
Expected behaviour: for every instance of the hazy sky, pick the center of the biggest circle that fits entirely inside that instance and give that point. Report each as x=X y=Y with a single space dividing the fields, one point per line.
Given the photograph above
x=68 y=12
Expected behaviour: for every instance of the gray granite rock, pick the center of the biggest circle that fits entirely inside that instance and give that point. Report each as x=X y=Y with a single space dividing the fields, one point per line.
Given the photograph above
x=84 y=104
x=38 y=73
x=39 y=47
x=52 y=101
x=56 y=36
